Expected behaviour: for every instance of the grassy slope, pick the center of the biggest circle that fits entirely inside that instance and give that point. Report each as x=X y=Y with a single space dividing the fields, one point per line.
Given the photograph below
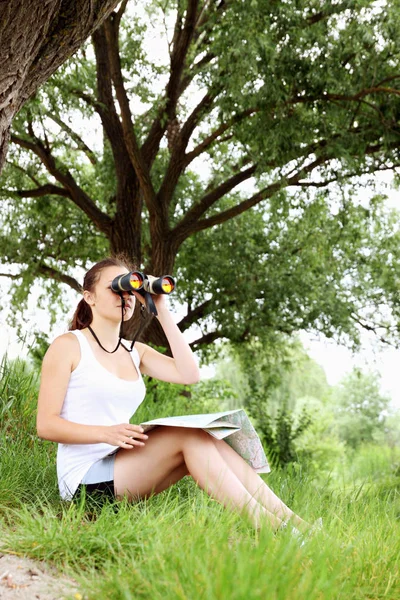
x=183 y=545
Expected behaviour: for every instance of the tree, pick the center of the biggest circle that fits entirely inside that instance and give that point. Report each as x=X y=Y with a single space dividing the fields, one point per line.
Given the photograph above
x=283 y=374
x=214 y=163
x=284 y=391
x=360 y=408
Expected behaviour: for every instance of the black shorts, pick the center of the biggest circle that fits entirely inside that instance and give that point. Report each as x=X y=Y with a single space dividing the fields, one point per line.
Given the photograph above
x=100 y=492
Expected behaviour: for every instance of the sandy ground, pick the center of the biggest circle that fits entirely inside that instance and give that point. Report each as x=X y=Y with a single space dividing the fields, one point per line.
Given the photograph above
x=25 y=579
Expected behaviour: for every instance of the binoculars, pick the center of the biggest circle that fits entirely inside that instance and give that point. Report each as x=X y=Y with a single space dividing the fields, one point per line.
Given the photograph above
x=136 y=281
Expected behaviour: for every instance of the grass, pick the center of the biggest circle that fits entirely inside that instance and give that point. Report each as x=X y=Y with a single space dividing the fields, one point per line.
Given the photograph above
x=181 y=544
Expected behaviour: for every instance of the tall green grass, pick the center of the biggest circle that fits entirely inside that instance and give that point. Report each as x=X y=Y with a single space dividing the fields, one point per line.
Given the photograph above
x=181 y=544
x=26 y=463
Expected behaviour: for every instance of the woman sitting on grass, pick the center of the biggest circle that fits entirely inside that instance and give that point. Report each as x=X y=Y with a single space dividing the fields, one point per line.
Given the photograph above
x=89 y=391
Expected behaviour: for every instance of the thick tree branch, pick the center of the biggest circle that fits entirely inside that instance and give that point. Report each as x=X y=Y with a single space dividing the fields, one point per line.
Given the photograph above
x=36 y=38
x=191 y=223
x=119 y=14
x=183 y=36
x=207 y=339
x=50 y=273
x=105 y=105
x=128 y=199
x=64 y=33
x=132 y=146
x=198 y=112
x=177 y=160
x=272 y=189
x=188 y=224
x=44 y=190
x=194 y=314
x=263 y=194
x=177 y=164
x=102 y=221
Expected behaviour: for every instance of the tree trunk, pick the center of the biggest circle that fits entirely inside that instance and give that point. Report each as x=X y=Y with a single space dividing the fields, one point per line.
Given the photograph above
x=126 y=236
x=36 y=37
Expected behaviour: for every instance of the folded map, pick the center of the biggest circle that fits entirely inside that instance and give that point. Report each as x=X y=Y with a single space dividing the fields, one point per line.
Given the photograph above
x=232 y=426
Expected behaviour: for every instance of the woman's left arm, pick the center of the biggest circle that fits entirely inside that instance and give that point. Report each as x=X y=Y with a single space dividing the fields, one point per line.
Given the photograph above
x=182 y=367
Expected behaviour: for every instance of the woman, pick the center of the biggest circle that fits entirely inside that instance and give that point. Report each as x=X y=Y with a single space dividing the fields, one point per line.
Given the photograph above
x=89 y=390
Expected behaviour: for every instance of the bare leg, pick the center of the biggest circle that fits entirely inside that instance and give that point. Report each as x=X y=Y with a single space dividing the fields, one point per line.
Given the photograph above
x=172 y=452
x=256 y=486
x=172 y=478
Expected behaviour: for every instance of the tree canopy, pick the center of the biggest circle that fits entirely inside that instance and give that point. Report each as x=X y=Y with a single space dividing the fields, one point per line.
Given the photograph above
x=228 y=159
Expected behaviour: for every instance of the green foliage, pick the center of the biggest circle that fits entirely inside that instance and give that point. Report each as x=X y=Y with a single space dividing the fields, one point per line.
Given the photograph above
x=360 y=408
x=297 y=265
x=305 y=96
x=319 y=449
x=272 y=388
x=279 y=434
x=38 y=349
x=300 y=418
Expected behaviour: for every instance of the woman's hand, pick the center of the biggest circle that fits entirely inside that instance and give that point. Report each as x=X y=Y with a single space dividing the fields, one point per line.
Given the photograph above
x=124 y=435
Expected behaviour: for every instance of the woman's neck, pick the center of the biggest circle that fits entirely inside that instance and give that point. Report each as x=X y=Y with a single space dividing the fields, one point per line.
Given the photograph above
x=108 y=333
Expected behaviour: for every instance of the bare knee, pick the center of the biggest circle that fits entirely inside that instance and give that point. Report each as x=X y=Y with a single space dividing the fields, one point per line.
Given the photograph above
x=183 y=437
x=196 y=437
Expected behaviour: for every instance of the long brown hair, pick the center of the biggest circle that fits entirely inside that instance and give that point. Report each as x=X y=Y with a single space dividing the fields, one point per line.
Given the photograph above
x=83 y=314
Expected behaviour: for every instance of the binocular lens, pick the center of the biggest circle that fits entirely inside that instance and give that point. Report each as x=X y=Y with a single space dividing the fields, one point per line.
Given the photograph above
x=167 y=285
x=127 y=283
x=161 y=285
x=136 y=280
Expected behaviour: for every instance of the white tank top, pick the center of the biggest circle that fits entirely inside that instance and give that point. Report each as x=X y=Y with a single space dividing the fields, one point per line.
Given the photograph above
x=94 y=397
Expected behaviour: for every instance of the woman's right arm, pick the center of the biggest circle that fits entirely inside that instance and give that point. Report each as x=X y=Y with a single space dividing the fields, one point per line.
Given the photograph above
x=60 y=360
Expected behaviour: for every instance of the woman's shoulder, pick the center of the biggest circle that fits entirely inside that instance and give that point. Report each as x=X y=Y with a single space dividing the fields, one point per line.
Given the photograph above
x=66 y=344
x=141 y=348
x=69 y=338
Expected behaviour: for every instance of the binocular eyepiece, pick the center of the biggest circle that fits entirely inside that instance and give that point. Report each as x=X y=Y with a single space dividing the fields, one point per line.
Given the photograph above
x=136 y=281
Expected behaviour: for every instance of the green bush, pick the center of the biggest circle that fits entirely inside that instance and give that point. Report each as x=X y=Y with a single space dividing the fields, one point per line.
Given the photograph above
x=319 y=448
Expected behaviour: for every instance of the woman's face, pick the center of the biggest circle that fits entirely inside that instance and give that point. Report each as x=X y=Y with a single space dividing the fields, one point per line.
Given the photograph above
x=104 y=302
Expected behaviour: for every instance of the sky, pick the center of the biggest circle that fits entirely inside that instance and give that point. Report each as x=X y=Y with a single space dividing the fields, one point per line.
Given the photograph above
x=337 y=361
